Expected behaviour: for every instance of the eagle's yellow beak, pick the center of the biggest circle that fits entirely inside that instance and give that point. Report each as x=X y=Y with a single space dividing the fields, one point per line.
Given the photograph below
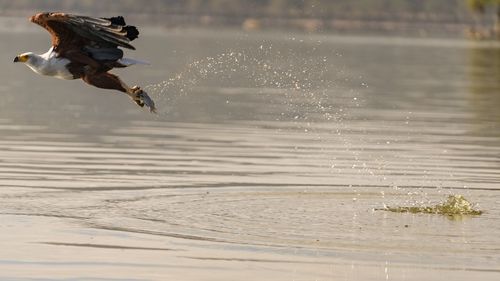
x=21 y=58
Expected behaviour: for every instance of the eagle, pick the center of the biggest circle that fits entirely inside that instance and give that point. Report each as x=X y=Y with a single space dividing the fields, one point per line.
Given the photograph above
x=87 y=48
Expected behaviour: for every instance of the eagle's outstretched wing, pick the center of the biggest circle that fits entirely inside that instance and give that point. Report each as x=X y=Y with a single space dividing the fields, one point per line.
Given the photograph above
x=70 y=31
x=91 y=46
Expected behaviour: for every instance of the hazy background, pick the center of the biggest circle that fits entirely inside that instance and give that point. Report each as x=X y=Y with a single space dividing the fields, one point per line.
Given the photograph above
x=423 y=17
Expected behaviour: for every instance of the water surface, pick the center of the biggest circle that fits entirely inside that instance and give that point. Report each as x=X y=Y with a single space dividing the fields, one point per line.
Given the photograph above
x=267 y=161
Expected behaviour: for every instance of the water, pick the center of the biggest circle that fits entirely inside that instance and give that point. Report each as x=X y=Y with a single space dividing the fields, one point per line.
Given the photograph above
x=268 y=159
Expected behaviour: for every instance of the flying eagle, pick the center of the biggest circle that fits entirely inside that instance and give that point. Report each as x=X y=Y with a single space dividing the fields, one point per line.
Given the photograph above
x=87 y=48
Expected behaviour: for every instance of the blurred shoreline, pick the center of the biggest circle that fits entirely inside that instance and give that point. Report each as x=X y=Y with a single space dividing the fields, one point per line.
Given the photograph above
x=16 y=21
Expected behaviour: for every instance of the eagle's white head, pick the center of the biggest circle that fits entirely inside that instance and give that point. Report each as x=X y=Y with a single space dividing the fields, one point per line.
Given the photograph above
x=34 y=61
x=46 y=64
x=28 y=57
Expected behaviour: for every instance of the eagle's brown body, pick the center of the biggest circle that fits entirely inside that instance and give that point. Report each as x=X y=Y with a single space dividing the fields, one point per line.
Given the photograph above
x=87 y=48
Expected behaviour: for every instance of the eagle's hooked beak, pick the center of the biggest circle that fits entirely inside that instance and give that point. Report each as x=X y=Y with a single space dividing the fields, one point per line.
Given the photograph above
x=21 y=58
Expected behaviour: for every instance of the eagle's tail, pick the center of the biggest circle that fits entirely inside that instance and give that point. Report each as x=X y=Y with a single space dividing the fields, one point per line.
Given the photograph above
x=128 y=62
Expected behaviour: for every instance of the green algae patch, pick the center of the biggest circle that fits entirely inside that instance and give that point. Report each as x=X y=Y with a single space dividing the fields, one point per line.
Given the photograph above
x=455 y=205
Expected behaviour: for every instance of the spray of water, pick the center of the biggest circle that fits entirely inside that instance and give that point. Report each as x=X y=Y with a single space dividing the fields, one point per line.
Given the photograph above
x=305 y=83
x=314 y=89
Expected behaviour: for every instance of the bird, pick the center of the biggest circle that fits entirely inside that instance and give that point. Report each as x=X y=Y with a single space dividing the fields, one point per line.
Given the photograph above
x=87 y=48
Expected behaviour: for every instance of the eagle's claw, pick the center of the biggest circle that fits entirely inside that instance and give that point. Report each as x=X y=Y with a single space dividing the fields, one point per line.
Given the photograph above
x=142 y=99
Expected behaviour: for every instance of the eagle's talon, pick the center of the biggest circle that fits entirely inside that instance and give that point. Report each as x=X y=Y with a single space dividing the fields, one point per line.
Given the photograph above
x=139 y=103
x=142 y=99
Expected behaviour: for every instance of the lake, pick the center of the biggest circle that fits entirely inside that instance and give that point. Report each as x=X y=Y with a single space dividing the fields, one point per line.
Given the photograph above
x=270 y=158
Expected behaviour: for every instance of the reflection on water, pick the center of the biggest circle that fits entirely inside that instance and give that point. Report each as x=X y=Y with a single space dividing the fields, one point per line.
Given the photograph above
x=484 y=70
x=270 y=151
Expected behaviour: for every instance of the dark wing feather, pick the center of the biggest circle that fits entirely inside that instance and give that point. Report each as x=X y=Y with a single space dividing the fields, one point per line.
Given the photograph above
x=99 y=30
x=70 y=31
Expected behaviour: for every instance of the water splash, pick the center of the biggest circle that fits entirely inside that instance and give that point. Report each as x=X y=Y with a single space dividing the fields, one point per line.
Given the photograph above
x=305 y=86
x=306 y=83
x=453 y=206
